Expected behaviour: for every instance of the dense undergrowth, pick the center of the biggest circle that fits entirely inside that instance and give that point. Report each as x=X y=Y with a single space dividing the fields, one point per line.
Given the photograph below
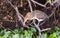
x=30 y=33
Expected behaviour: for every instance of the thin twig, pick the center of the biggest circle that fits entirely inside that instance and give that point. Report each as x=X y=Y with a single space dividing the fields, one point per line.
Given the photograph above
x=19 y=15
x=46 y=29
x=38 y=3
x=31 y=9
x=30 y=6
x=21 y=3
x=37 y=27
x=16 y=8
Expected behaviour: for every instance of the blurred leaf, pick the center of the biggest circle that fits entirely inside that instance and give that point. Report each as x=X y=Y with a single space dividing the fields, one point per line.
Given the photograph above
x=57 y=29
x=26 y=33
x=1 y=37
x=48 y=1
x=6 y=35
x=33 y=29
x=44 y=35
x=58 y=36
x=15 y=36
x=53 y=35
x=15 y=31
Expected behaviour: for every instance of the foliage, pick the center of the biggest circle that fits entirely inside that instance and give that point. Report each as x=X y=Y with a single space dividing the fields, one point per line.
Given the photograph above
x=30 y=33
x=17 y=33
x=48 y=1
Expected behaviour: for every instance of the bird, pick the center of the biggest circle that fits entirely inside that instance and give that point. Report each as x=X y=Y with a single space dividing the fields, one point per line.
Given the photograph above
x=38 y=15
x=35 y=20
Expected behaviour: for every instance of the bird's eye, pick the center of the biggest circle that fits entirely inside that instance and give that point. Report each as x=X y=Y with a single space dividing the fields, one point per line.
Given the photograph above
x=28 y=22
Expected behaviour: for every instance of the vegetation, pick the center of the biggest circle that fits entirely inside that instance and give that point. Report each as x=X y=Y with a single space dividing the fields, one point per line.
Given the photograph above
x=39 y=17
x=30 y=33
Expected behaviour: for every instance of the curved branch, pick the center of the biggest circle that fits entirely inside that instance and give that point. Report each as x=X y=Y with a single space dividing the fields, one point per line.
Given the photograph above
x=19 y=15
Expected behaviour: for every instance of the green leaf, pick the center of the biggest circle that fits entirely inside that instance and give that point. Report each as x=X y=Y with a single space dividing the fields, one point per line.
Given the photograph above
x=21 y=36
x=53 y=35
x=15 y=31
x=26 y=33
x=48 y=1
x=6 y=35
x=1 y=37
x=58 y=36
x=57 y=29
x=33 y=29
x=15 y=36
x=44 y=35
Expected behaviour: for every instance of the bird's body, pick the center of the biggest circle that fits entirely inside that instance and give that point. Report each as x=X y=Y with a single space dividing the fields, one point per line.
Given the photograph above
x=40 y=14
x=37 y=14
x=36 y=19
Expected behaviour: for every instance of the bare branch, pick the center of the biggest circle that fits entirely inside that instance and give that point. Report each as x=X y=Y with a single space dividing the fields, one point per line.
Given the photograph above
x=46 y=29
x=31 y=8
x=38 y=3
x=37 y=26
x=21 y=3
x=11 y=4
x=30 y=5
x=19 y=15
x=16 y=8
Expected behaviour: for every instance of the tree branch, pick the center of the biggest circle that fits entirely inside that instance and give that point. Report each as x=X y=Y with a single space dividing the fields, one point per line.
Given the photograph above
x=38 y=3
x=19 y=15
x=46 y=29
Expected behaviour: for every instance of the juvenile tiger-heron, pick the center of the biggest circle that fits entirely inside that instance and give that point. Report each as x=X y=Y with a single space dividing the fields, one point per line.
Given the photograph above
x=39 y=16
